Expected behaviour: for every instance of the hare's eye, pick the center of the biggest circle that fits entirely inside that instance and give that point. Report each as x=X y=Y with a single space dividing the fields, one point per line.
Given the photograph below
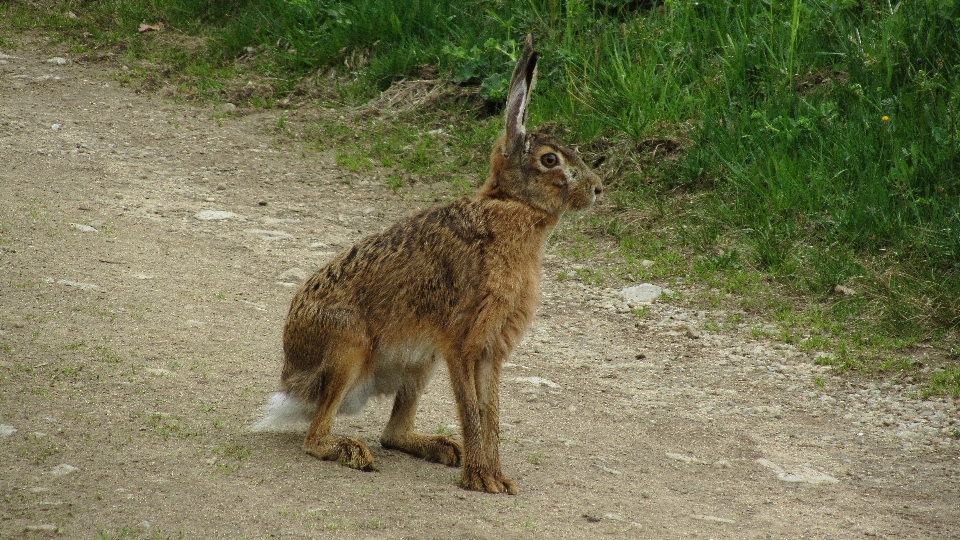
x=549 y=160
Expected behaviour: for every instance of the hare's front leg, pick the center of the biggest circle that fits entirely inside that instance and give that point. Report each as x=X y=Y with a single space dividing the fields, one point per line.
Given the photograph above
x=399 y=433
x=476 y=387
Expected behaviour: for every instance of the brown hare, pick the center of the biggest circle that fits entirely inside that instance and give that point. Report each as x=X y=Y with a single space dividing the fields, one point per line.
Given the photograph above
x=457 y=283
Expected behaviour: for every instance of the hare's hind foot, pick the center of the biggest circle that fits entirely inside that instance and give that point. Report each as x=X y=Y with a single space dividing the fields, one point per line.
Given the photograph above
x=348 y=451
x=436 y=448
x=489 y=482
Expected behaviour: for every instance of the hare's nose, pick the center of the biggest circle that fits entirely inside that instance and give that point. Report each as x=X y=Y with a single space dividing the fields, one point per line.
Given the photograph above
x=597 y=190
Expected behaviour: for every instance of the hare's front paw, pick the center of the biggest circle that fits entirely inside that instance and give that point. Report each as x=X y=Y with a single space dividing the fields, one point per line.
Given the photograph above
x=446 y=451
x=348 y=451
x=491 y=482
x=436 y=448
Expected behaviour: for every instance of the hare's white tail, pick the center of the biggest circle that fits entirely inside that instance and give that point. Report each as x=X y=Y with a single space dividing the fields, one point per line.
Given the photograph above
x=284 y=412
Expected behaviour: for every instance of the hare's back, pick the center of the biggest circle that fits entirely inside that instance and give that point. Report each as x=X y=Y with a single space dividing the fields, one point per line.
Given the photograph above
x=423 y=267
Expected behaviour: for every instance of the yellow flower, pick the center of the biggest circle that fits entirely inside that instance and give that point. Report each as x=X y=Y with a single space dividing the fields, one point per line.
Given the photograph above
x=884 y=118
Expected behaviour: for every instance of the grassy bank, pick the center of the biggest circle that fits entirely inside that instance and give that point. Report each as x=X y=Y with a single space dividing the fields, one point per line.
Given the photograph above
x=810 y=148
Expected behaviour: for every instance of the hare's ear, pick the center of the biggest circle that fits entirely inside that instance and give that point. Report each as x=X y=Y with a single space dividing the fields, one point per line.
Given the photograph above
x=518 y=97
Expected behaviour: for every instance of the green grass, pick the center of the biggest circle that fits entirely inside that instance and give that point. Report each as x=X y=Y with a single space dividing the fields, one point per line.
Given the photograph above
x=769 y=151
x=943 y=382
x=105 y=355
x=230 y=456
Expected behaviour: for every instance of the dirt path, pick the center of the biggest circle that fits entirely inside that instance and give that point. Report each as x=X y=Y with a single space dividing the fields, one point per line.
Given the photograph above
x=148 y=254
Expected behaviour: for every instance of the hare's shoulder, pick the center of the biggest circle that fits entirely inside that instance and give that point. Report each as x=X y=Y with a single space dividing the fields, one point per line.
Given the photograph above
x=461 y=221
x=448 y=228
x=454 y=232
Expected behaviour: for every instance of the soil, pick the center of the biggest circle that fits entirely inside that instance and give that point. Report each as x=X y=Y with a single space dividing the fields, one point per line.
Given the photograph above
x=149 y=250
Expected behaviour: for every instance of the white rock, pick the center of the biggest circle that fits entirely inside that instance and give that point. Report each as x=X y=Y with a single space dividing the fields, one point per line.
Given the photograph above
x=293 y=274
x=645 y=293
x=270 y=236
x=63 y=469
x=646 y=263
x=214 y=215
x=58 y=60
x=42 y=527
x=606 y=469
x=806 y=474
x=537 y=381
x=7 y=430
x=274 y=221
x=704 y=517
x=685 y=458
x=83 y=228
x=77 y=284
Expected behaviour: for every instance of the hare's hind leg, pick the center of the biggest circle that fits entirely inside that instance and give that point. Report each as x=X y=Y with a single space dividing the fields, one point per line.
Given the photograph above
x=399 y=433
x=337 y=374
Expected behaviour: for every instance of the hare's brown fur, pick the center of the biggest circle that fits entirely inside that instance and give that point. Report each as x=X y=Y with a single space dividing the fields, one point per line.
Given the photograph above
x=458 y=282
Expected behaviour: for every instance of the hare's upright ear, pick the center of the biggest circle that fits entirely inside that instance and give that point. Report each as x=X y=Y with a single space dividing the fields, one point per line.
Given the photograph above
x=518 y=97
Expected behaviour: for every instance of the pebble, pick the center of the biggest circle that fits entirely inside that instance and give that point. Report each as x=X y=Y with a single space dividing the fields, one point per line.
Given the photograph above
x=293 y=274
x=806 y=474
x=68 y=283
x=821 y=355
x=685 y=458
x=840 y=290
x=7 y=430
x=58 y=60
x=537 y=381
x=42 y=527
x=63 y=469
x=269 y=236
x=83 y=228
x=274 y=221
x=645 y=293
x=214 y=215
x=704 y=517
x=606 y=469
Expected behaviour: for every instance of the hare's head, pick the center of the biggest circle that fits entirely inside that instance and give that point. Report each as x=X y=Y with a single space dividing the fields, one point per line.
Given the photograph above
x=532 y=166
